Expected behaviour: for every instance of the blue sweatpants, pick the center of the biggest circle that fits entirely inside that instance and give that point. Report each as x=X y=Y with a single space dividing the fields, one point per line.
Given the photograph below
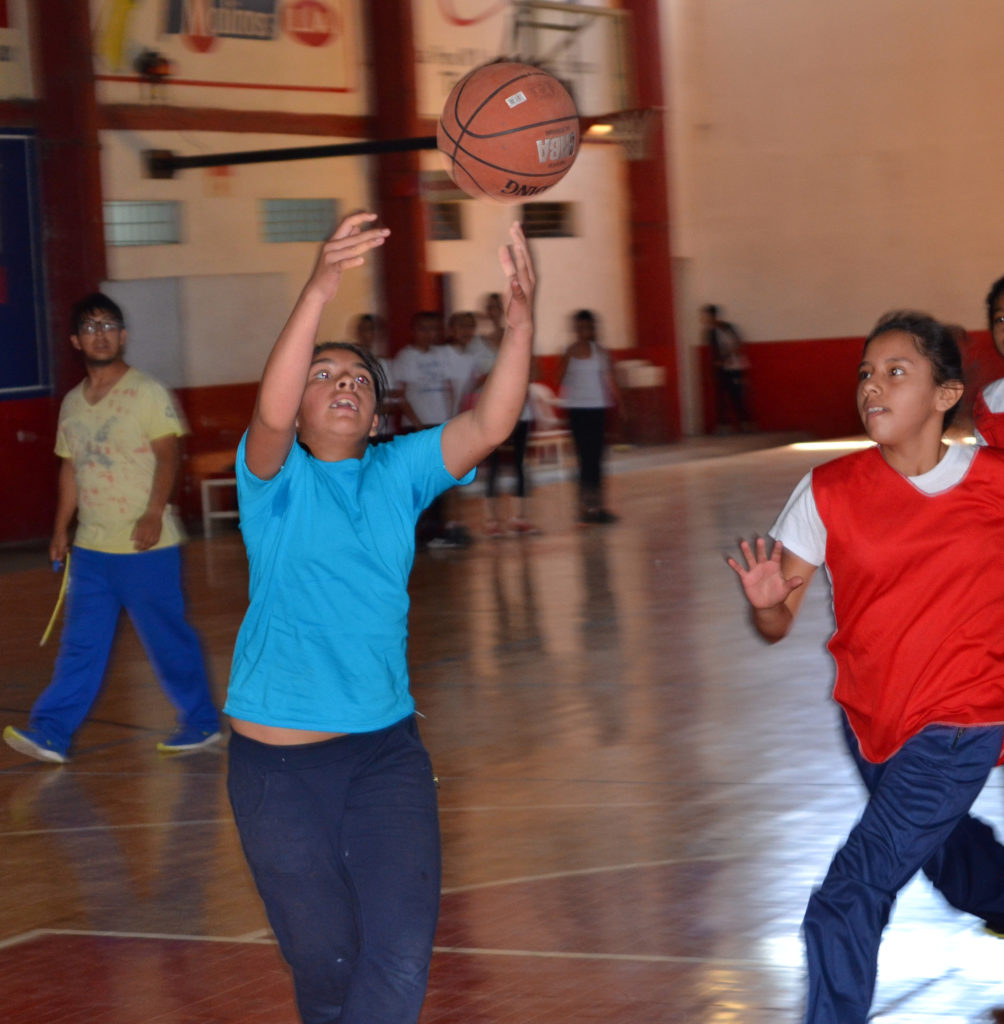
x=342 y=838
x=916 y=817
x=148 y=585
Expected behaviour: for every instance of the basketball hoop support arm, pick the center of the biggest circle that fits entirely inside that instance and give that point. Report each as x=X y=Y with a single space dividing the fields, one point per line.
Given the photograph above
x=162 y=163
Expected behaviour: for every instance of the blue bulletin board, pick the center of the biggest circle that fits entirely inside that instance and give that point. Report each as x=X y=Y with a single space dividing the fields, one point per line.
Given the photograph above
x=24 y=362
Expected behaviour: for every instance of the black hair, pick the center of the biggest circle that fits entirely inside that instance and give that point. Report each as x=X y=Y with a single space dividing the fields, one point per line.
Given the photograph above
x=996 y=290
x=935 y=341
x=423 y=315
x=367 y=358
x=584 y=316
x=96 y=302
x=711 y=309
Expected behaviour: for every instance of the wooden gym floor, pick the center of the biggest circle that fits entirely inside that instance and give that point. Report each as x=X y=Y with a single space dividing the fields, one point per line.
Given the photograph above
x=637 y=796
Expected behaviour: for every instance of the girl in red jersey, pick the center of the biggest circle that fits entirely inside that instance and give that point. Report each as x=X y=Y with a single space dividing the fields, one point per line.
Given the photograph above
x=918 y=646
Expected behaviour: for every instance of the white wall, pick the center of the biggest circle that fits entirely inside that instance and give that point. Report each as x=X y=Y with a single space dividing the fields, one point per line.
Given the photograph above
x=588 y=271
x=221 y=264
x=155 y=338
x=834 y=160
x=236 y=290
x=221 y=240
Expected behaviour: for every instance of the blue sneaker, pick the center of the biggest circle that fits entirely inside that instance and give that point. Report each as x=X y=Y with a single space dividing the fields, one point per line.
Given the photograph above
x=32 y=743
x=187 y=738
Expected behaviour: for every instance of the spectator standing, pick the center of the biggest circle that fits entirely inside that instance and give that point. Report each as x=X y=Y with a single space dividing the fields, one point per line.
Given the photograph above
x=589 y=389
x=729 y=366
x=118 y=441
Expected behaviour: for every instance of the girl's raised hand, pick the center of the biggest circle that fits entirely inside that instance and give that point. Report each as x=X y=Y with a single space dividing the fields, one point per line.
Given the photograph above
x=346 y=248
x=761 y=577
x=518 y=267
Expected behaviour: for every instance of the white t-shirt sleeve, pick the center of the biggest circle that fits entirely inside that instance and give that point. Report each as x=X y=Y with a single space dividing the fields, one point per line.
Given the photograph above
x=801 y=530
x=484 y=356
x=799 y=527
x=401 y=368
x=993 y=395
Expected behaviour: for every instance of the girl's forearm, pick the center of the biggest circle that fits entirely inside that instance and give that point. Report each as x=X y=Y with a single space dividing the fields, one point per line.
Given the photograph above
x=285 y=374
x=504 y=392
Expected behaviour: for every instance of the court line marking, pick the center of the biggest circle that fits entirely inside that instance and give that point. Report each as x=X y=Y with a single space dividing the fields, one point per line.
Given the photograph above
x=256 y=938
x=641 y=958
x=523 y=808
x=578 y=872
x=477 y=808
x=116 y=828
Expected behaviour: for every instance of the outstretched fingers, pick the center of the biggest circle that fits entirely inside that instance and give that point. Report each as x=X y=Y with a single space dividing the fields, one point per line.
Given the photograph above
x=761 y=575
x=351 y=240
x=524 y=264
x=352 y=224
x=350 y=251
x=518 y=267
x=753 y=557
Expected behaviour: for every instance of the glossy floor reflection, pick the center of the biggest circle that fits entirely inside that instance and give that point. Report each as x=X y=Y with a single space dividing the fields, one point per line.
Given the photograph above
x=636 y=794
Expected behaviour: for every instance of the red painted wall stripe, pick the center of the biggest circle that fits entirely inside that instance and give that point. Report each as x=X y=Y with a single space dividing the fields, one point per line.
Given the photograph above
x=207 y=83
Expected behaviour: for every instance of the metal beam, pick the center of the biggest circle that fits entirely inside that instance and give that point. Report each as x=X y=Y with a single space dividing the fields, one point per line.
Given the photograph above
x=162 y=163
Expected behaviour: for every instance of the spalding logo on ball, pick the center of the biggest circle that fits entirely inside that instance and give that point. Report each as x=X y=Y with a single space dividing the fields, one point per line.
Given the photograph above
x=508 y=132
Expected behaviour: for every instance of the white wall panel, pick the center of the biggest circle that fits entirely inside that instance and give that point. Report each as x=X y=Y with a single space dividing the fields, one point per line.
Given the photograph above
x=222 y=239
x=155 y=339
x=831 y=161
x=589 y=271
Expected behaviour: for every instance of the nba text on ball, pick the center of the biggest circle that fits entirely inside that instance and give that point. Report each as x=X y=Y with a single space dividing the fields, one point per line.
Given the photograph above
x=561 y=147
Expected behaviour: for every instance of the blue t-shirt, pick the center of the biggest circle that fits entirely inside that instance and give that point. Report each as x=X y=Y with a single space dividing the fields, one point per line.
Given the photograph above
x=330 y=547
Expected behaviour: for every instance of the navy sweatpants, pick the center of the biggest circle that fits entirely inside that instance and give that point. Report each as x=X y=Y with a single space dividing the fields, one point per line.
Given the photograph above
x=342 y=838
x=917 y=816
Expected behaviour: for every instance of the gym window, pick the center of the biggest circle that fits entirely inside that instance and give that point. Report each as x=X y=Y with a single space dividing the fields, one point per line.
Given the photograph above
x=446 y=222
x=142 y=223
x=548 y=220
x=298 y=220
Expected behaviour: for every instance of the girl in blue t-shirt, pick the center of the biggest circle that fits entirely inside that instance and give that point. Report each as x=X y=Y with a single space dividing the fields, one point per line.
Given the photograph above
x=330 y=784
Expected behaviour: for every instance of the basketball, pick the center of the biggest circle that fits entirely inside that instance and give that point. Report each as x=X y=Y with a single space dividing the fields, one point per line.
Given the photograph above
x=508 y=132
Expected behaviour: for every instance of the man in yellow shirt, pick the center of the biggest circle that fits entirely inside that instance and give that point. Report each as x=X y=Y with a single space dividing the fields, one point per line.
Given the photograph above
x=118 y=440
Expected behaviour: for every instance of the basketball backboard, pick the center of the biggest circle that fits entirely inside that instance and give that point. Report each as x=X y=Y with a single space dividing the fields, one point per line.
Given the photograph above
x=584 y=45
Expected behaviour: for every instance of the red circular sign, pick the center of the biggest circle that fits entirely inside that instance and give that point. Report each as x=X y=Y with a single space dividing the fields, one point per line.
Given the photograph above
x=198 y=34
x=469 y=12
x=310 y=22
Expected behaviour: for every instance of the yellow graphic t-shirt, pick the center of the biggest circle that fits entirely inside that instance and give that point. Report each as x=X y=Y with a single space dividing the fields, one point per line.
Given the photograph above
x=113 y=462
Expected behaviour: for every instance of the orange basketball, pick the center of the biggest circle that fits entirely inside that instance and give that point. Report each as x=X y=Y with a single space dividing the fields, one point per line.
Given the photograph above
x=508 y=132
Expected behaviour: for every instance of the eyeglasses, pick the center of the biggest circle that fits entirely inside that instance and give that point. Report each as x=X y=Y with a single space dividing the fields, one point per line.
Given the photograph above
x=104 y=326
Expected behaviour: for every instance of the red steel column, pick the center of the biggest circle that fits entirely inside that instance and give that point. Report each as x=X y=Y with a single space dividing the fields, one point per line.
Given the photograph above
x=70 y=168
x=652 y=281
x=407 y=284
